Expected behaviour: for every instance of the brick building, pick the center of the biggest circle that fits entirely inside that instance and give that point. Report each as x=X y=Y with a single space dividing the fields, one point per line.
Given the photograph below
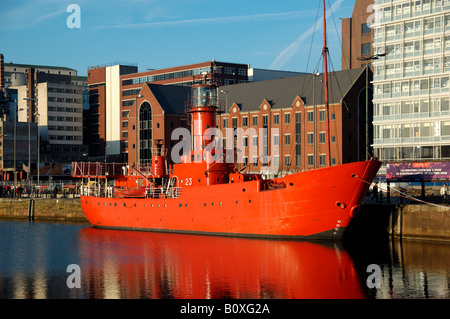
x=161 y=110
x=295 y=106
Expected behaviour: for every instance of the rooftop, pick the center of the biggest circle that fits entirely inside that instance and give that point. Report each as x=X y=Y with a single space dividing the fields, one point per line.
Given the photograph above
x=281 y=92
x=11 y=64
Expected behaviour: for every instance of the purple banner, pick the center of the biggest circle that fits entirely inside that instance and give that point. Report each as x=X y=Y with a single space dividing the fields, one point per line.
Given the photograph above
x=418 y=171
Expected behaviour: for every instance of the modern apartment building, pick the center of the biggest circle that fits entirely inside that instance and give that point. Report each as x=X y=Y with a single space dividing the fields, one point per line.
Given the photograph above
x=411 y=83
x=56 y=105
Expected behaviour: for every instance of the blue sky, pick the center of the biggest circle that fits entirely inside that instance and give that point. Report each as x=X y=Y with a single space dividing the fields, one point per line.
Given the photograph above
x=165 y=33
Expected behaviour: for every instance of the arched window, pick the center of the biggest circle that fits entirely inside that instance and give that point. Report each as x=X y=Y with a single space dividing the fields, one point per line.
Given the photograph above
x=145 y=133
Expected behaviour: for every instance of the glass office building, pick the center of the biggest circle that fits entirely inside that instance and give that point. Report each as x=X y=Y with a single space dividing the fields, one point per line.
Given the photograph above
x=411 y=83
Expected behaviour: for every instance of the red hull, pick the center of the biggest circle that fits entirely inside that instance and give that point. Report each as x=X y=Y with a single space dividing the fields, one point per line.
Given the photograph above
x=315 y=204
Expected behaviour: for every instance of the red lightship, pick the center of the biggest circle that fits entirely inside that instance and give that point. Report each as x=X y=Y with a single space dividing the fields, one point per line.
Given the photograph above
x=204 y=194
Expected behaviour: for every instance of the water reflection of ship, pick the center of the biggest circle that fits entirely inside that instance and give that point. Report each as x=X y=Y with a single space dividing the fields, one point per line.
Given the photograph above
x=121 y=264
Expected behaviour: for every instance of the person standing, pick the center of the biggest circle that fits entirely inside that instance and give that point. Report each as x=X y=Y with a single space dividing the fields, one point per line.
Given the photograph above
x=375 y=192
x=444 y=194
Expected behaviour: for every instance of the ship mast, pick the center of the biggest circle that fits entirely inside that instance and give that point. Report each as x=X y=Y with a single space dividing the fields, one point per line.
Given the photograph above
x=325 y=62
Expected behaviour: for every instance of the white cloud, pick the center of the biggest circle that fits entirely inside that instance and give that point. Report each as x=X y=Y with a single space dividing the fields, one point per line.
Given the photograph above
x=291 y=49
x=218 y=20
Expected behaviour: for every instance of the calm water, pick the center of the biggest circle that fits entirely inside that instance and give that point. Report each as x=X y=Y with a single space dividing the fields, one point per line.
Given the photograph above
x=34 y=257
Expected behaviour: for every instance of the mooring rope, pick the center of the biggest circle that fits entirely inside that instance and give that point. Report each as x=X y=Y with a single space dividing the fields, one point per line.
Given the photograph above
x=404 y=195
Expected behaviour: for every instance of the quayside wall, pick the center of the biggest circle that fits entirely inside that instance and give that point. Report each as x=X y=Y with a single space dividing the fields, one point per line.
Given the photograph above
x=64 y=209
x=412 y=221
x=421 y=222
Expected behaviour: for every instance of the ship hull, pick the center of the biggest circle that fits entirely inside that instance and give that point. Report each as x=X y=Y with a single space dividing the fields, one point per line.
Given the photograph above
x=316 y=204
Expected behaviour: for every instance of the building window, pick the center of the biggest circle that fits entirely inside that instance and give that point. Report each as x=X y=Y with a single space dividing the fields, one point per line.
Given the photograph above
x=310 y=116
x=128 y=103
x=287 y=160
x=265 y=121
x=234 y=120
x=245 y=141
x=322 y=137
x=365 y=29
x=255 y=120
x=255 y=141
x=310 y=160
x=287 y=118
x=276 y=119
x=229 y=71
x=322 y=115
x=255 y=160
x=322 y=160
x=310 y=138
x=287 y=139
x=276 y=161
x=366 y=48
x=276 y=140
x=245 y=121
x=242 y=72
x=145 y=132
x=225 y=122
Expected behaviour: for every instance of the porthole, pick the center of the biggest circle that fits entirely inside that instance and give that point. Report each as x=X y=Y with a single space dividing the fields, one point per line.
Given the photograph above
x=181 y=205
x=340 y=204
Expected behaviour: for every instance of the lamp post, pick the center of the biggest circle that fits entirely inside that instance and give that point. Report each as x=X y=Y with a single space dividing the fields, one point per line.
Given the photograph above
x=15 y=132
x=38 y=148
x=370 y=58
x=136 y=128
x=29 y=139
x=226 y=99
